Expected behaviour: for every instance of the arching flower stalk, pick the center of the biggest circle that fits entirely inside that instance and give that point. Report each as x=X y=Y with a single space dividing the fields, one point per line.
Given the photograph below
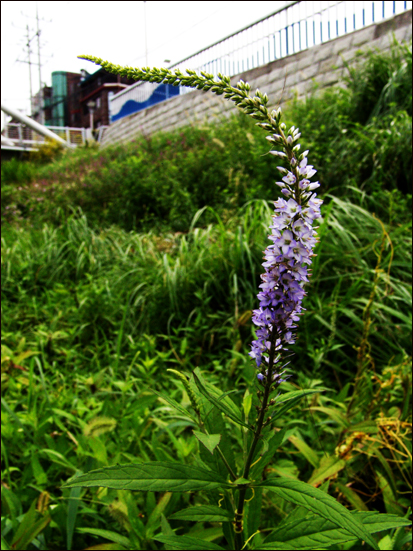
x=287 y=259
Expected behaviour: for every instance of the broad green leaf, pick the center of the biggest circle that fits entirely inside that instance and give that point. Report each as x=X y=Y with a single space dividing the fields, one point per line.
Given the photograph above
x=210 y=441
x=305 y=449
x=221 y=405
x=173 y=403
x=107 y=534
x=319 y=503
x=156 y=476
x=314 y=532
x=288 y=400
x=278 y=546
x=329 y=466
x=186 y=542
x=4 y=545
x=204 y=513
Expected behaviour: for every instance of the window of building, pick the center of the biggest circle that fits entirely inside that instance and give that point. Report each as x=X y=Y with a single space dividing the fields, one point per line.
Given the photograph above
x=98 y=102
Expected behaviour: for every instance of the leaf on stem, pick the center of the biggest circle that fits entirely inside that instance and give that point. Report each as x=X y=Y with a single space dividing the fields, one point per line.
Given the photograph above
x=319 y=503
x=156 y=476
x=203 y=513
x=186 y=542
x=288 y=400
x=270 y=447
x=174 y=404
x=210 y=441
x=329 y=466
x=314 y=532
x=221 y=405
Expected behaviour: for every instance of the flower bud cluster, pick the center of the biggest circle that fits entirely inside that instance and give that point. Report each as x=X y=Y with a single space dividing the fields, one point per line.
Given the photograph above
x=288 y=258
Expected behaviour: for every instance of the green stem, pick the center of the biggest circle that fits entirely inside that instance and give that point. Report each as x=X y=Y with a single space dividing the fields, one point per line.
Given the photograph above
x=239 y=540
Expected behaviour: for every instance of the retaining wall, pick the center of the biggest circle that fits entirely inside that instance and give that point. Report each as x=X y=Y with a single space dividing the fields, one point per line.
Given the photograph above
x=323 y=64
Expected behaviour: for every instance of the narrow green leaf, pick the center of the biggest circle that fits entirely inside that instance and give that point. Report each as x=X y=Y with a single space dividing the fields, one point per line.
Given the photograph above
x=390 y=500
x=186 y=542
x=319 y=503
x=267 y=454
x=154 y=517
x=247 y=403
x=305 y=449
x=58 y=458
x=4 y=545
x=156 y=476
x=314 y=532
x=352 y=497
x=203 y=513
x=27 y=521
x=387 y=472
x=72 y=509
x=165 y=527
x=219 y=404
x=30 y=527
x=329 y=466
x=107 y=534
x=334 y=414
x=107 y=547
x=288 y=400
x=174 y=404
x=210 y=441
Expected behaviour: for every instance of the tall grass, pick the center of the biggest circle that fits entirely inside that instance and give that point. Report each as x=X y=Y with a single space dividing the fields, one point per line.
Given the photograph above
x=359 y=138
x=210 y=274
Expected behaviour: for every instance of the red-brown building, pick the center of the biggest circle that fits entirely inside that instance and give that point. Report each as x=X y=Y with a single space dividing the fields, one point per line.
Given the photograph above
x=99 y=87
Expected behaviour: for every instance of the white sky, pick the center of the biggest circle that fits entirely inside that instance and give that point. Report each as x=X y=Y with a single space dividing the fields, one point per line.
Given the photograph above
x=113 y=31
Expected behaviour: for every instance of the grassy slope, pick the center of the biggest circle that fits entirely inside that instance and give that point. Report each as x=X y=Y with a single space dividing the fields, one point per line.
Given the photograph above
x=93 y=313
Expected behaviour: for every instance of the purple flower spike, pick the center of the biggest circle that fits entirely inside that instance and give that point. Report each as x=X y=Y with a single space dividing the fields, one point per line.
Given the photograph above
x=285 y=261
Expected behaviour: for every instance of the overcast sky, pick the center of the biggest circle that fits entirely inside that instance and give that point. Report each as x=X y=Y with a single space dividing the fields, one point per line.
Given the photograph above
x=112 y=30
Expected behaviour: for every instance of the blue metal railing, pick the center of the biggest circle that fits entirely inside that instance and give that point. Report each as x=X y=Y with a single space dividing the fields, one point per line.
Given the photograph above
x=295 y=27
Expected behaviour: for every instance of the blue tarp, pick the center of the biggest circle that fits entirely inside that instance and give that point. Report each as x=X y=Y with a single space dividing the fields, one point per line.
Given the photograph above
x=162 y=92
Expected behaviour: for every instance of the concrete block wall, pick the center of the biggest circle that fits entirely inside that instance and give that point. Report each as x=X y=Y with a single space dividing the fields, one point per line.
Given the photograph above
x=323 y=64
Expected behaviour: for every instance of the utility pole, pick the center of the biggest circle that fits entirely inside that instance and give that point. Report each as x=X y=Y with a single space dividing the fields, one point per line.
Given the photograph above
x=39 y=64
x=41 y=110
x=30 y=63
x=30 y=69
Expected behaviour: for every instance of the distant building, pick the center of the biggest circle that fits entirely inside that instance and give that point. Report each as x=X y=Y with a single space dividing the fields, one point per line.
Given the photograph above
x=100 y=87
x=47 y=108
x=65 y=102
